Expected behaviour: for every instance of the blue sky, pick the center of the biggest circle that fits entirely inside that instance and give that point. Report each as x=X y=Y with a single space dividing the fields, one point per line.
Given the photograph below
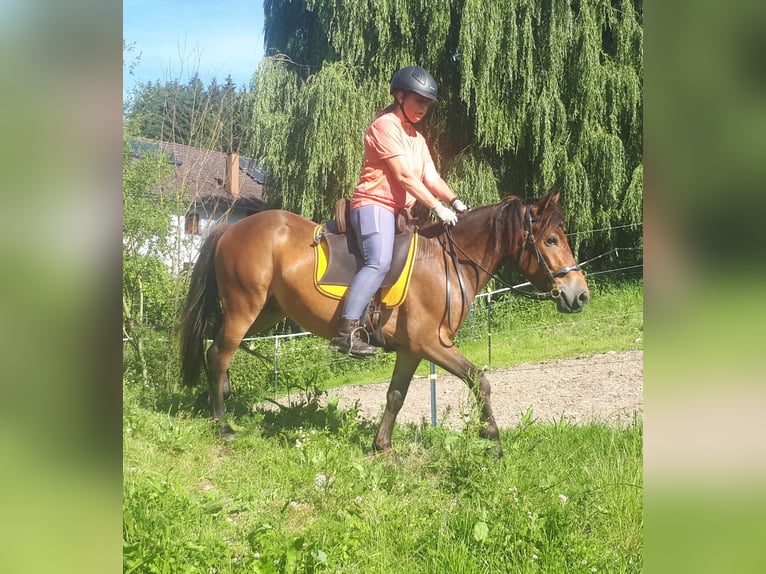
x=176 y=38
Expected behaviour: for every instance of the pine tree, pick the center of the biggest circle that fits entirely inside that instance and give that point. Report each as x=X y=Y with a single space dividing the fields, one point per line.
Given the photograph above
x=213 y=117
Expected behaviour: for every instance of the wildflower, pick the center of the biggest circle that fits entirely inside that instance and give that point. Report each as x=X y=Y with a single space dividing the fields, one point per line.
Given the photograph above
x=320 y=480
x=534 y=556
x=298 y=443
x=563 y=498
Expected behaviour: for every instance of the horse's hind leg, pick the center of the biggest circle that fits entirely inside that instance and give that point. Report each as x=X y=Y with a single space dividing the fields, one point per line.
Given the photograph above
x=397 y=391
x=219 y=357
x=221 y=351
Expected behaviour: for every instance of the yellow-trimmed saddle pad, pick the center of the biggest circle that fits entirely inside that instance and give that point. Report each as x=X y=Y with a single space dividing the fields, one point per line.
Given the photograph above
x=336 y=263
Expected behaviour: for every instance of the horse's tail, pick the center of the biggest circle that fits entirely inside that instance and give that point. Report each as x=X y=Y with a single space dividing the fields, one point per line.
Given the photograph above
x=201 y=307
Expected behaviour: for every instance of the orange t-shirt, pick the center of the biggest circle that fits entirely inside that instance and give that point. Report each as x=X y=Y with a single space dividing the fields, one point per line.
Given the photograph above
x=386 y=138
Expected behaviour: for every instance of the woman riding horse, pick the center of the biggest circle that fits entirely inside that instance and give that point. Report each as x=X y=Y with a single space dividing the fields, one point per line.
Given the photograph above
x=397 y=172
x=251 y=274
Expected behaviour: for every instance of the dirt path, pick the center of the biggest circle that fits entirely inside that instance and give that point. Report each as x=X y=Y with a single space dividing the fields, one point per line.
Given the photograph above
x=606 y=388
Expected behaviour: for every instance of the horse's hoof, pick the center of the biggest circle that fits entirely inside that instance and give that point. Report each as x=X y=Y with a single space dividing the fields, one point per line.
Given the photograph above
x=226 y=432
x=202 y=402
x=381 y=448
x=493 y=434
x=490 y=433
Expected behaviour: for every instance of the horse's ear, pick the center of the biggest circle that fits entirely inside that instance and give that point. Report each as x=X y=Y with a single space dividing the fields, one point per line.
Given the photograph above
x=546 y=200
x=543 y=202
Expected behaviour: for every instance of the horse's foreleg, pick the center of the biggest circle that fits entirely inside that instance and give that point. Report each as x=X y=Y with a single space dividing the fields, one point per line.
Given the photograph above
x=397 y=391
x=453 y=361
x=482 y=391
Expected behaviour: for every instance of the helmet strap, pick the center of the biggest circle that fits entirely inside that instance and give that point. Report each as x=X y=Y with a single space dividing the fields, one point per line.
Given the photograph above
x=401 y=107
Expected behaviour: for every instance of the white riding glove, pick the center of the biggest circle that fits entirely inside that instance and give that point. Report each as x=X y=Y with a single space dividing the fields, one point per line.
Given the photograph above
x=444 y=214
x=459 y=206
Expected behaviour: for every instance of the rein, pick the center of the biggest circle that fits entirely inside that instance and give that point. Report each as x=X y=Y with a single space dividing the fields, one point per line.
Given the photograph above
x=458 y=271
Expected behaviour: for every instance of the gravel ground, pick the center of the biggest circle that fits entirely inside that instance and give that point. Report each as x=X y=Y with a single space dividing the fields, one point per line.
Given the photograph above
x=604 y=388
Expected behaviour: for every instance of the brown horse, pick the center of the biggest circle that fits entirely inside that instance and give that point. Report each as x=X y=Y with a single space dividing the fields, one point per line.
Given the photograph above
x=251 y=274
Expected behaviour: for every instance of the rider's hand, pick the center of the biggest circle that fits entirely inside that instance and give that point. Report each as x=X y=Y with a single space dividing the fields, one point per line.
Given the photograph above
x=444 y=214
x=459 y=206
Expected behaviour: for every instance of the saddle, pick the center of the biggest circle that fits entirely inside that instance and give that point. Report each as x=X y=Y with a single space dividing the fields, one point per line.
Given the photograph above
x=338 y=257
x=404 y=219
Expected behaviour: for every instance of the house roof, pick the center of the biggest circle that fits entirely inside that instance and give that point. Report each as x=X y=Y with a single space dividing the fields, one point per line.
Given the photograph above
x=201 y=173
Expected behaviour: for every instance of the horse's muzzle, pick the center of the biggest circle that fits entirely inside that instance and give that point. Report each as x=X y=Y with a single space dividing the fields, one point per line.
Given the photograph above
x=572 y=298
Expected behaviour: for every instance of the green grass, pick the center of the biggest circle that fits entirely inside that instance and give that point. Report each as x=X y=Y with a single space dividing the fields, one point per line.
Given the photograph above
x=298 y=490
x=527 y=331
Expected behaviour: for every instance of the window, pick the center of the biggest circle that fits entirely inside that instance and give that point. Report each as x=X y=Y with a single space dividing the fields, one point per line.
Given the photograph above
x=192 y=224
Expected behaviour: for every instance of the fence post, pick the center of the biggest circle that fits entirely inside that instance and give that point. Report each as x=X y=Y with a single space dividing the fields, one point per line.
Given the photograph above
x=489 y=329
x=473 y=322
x=432 y=377
x=276 y=365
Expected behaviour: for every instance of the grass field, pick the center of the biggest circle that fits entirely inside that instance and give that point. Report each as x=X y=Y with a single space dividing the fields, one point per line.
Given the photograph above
x=298 y=490
x=300 y=493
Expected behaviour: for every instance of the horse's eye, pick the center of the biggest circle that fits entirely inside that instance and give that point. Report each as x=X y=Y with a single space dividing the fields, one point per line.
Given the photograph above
x=552 y=240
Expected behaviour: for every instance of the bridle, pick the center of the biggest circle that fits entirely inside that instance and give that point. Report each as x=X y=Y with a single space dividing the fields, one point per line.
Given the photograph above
x=529 y=237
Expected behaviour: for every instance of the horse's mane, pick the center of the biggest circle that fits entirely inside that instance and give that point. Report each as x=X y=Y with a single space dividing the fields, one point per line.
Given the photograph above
x=494 y=213
x=506 y=214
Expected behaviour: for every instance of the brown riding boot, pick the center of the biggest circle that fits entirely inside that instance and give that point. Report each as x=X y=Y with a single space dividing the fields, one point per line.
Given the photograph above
x=349 y=341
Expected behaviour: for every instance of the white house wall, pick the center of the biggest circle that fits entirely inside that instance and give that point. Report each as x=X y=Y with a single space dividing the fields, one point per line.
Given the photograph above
x=189 y=245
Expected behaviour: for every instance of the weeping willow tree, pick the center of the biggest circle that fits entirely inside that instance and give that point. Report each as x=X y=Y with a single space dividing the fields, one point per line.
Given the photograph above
x=307 y=134
x=534 y=95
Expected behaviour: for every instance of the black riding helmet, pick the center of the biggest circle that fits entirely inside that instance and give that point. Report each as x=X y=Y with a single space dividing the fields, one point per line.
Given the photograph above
x=414 y=79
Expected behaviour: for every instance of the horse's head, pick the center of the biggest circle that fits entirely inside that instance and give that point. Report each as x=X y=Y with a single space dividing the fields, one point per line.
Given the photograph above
x=546 y=258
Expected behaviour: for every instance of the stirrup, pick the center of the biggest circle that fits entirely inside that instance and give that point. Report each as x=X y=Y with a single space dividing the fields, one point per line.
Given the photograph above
x=366 y=350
